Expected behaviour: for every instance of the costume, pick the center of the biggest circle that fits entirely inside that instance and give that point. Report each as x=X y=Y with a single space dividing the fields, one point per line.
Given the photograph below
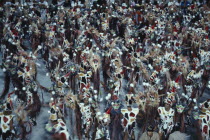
x=167 y=118
x=7 y=122
x=205 y=119
x=129 y=119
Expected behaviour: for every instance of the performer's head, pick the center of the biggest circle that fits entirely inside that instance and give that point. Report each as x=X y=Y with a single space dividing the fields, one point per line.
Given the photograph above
x=150 y=130
x=168 y=103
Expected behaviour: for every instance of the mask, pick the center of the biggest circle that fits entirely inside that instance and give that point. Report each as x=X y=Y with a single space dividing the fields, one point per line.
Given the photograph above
x=179 y=108
x=196 y=115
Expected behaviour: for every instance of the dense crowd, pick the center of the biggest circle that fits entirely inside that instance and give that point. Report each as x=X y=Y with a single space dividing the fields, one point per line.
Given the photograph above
x=127 y=69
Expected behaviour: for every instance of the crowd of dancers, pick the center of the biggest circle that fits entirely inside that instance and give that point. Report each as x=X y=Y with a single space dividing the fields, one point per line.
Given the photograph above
x=127 y=69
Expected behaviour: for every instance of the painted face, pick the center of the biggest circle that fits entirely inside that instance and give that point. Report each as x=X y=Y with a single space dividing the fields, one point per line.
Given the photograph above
x=152 y=97
x=70 y=100
x=196 y=115
x=183 y=64
x=111 y=84
x=72 y=68
x=207 y=65
x=179 y=108
x=143 y=98
x=116 y=106
x=95 y=63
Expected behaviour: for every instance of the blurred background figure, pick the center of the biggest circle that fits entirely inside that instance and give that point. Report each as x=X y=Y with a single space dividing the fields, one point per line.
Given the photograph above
x=150 y=134
x=177 y=135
